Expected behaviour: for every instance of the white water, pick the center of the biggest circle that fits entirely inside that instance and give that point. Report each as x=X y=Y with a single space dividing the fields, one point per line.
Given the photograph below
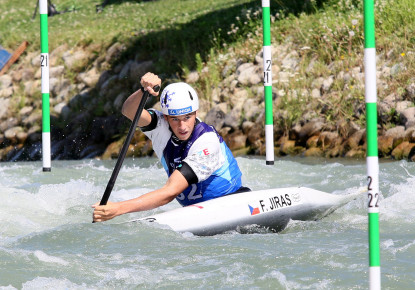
x=47 y=240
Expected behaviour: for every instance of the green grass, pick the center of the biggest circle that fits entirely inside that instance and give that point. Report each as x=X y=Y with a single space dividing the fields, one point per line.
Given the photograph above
x=180 y=29
x=173 y=30
x=120 y=20
x=334 y=35
x=185 y=35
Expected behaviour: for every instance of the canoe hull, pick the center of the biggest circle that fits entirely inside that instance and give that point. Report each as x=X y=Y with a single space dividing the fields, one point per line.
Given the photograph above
x=271 y=209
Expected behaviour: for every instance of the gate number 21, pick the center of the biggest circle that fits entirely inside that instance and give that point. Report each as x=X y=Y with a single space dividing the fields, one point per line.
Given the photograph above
x=267 y=70
x=43 y=60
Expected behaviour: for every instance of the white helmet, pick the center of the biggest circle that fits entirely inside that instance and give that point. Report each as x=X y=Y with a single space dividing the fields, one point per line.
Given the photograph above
x=178 y=99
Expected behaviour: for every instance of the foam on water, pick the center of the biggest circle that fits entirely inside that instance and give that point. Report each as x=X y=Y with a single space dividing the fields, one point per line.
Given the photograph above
x=47 y=240
x=51 y=283
x=43 y=257
x=400 y=202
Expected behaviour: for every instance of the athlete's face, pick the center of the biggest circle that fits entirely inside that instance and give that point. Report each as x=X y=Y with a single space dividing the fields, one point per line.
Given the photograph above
x=182 y=126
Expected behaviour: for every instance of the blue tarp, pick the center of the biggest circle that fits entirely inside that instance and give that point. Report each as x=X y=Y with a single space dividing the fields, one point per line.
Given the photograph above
x=4 y=57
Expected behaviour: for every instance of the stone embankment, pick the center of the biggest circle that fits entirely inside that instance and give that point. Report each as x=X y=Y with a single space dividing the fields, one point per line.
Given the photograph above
x=87 y=91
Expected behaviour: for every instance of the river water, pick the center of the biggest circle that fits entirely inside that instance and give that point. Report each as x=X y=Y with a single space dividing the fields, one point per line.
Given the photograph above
x=47 y=240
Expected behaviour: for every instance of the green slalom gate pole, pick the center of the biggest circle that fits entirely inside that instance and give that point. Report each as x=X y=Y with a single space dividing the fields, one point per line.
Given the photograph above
x=44 y=65
x=372 y=144
x=269 y=122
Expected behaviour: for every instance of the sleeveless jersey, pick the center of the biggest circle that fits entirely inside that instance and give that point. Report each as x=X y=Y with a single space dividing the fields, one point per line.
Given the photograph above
x=207 y=155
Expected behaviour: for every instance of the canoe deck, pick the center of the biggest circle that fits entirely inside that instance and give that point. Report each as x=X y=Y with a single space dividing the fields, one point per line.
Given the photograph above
x=271 y=209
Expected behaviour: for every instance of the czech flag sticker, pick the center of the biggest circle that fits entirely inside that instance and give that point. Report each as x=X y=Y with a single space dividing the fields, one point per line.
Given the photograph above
x=254 y=211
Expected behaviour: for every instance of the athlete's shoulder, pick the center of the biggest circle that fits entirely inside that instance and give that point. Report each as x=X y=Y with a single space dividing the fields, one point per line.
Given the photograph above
x=202 y=128
x=157 y=121
x=160 y=134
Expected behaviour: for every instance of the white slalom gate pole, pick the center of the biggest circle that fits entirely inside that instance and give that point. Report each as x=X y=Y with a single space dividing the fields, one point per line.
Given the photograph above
x=269 y=122
x=44 y=65
x=372 y=145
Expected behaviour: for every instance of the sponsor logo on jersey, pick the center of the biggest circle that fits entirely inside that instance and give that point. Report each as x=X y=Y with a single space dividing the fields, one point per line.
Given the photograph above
x=182 y=111
x=177 y=163
x=204 y=152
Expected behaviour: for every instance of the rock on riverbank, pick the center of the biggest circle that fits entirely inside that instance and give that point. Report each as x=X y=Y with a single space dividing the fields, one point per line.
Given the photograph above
x=87 y=92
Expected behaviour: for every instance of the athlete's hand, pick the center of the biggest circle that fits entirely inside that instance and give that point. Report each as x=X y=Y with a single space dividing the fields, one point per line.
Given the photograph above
x=104 y=212
x=149 y=81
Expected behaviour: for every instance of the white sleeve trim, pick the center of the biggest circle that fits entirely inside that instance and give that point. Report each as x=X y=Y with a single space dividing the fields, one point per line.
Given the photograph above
x=160 y=135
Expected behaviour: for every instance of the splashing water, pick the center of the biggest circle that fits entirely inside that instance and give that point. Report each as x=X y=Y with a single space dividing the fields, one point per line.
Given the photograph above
x=47 y=239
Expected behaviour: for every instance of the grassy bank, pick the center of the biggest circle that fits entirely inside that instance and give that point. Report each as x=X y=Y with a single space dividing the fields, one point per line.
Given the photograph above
x=185 y=35
x=174 y=30
x=329 y=37
x=121 y=20
x=171 y=30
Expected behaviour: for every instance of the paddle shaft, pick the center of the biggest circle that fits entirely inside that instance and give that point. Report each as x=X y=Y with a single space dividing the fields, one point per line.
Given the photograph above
x=124 y=149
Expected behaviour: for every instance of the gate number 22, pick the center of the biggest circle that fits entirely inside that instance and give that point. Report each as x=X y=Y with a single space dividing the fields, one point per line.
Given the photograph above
x=373 y=197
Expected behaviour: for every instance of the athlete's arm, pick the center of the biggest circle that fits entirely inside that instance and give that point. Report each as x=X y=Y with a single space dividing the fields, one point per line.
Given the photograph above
x=175 y=185
x=130 y=106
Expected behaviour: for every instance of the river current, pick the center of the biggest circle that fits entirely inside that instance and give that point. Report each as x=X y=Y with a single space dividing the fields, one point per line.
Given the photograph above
x=47 y=240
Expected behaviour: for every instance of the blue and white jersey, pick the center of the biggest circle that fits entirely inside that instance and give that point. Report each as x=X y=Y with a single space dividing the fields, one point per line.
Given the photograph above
x=207 y=155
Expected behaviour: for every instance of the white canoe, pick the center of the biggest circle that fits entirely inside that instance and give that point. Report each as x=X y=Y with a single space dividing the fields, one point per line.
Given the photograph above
x=271 y=209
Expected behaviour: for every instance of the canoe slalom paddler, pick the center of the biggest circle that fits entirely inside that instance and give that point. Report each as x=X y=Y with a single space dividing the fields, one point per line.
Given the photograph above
x=199 y=164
